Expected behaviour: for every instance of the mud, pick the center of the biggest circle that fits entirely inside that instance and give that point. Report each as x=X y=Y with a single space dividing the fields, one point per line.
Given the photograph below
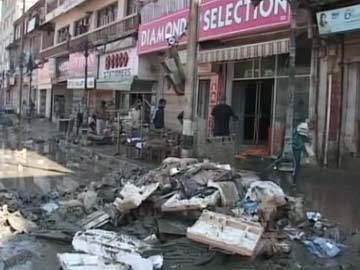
x=333 y=193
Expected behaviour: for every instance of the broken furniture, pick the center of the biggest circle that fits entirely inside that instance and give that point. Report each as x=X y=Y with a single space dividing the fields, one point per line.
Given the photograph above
x=233 y=235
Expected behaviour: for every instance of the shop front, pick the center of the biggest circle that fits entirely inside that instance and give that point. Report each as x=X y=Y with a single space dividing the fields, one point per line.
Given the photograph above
x=121 y=80
x=243 y=61
x=81 y=81
x=62 y=98
x=338 y=102
x=43 y=97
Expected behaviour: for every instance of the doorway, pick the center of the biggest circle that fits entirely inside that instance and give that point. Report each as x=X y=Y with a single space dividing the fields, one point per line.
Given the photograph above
x=253 y=102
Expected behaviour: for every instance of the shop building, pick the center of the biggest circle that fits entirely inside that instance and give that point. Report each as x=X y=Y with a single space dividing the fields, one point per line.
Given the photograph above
x=123 y=78
x=338 y=99
x=75 y=33
x=243 y=59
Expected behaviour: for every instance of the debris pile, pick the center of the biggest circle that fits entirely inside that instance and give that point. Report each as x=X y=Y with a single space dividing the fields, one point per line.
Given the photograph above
x=133 y=219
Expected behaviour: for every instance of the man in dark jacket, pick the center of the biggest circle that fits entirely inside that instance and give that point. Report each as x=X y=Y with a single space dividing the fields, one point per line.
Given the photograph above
x=222 y=114
x=159 y=117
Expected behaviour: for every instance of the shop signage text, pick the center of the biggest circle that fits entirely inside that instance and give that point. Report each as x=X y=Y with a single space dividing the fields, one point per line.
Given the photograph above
x=218 y=19
x=339 y=20
x=80 y=83
x=118 y=65
x=77 y=65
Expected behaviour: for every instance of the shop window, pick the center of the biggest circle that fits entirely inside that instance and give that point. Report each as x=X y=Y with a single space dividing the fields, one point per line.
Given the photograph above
x=203 y=99
x=82 y=26
x=63 y=34
x=283 y=65
x=267 y=66
x=244 y=69
x=303 y=61
x=107 y=15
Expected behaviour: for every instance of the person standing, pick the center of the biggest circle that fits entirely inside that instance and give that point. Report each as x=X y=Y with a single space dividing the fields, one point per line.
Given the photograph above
x=222 y=114
x=159 y=116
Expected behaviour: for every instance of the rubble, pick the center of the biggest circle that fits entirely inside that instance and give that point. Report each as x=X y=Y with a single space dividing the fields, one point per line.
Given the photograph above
x=233 y=235
x=16 y=221
x=184 y=202
x=118 y=247
x=87 y=262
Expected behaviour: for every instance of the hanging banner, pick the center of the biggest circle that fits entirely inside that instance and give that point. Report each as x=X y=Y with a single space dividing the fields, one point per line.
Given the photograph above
x=218 y=19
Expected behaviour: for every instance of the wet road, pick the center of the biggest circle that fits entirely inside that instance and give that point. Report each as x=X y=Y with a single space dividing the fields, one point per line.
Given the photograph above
x=335 y=193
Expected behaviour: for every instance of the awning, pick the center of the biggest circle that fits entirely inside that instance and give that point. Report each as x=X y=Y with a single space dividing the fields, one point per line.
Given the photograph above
x=130 y=84
x=262 y=49
x=118 y=85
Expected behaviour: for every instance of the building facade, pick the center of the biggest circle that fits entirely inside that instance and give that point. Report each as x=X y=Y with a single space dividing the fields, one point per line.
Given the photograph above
x=11 y=11
x=243 y=61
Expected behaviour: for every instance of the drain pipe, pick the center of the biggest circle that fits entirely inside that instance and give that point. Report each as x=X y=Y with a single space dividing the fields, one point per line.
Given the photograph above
x=340 y=128
x=328 y=111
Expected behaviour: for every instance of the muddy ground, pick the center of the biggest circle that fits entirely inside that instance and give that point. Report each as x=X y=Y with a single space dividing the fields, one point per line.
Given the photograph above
x=333 y=193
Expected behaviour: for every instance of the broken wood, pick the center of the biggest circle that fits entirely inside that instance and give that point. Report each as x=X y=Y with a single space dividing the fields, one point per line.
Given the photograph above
x=95 y=220
x=230 y=234
x=175 y=204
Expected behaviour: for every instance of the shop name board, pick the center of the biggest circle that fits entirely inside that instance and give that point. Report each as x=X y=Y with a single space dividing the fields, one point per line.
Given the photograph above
x=80 y=83
x=77 y=62
x=117 y=60
x=339 y=20
x=218 y=19
x=118 y=65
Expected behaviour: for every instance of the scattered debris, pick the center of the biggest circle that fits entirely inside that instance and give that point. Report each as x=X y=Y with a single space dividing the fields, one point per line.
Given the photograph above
x=110 y=245
x=17 y=221
x=88 y=262
x=230 y=234
x=322 y=247
x=50 y=207
x=131 y=196
x=95 y=220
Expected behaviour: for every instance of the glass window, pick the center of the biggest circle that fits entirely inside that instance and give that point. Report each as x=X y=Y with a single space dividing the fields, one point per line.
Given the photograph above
x=82 y=26
x=268 y=66
x=63 y=34
x=107 y=15
x=243 y=69
x=283 y=65
x=203 y=99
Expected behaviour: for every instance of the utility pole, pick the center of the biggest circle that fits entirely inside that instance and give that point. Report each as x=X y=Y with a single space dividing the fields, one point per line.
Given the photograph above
x=21 y=62
x=288 y=159
x=191 y=78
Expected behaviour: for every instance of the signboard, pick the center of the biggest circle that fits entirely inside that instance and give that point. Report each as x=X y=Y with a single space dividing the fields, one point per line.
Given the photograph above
x=80 y=83
x=31 y=25
x=77 y=65
x=119 y=65
x=218 y=19
x=339 y=20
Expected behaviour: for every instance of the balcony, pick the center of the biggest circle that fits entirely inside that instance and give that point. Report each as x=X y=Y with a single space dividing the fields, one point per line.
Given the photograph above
x=102 y=35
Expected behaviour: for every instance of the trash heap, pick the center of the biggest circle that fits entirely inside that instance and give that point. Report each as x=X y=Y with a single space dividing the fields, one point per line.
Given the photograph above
x=138 y=221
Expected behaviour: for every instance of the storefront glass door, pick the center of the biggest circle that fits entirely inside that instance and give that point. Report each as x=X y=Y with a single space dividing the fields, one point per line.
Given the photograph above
x=252 y=101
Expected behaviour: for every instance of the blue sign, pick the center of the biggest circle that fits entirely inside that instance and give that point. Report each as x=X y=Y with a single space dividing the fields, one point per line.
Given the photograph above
x=339 y=20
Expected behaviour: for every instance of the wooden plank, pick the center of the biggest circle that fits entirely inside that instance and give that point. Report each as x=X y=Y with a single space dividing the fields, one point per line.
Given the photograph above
x=234 y=235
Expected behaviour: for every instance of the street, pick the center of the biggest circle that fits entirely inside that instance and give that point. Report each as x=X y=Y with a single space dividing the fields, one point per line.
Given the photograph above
x=49 y=173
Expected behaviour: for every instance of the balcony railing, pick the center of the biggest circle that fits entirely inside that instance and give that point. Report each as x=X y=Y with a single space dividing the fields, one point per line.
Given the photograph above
x=107 y=33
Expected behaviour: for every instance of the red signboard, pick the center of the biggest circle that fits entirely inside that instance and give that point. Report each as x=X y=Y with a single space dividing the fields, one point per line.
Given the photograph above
x=218 y=19
x=117 y=60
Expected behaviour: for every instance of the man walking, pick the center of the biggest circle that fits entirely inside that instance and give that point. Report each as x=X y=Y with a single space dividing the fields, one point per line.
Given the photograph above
x=159 y=116
x=222 y=114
